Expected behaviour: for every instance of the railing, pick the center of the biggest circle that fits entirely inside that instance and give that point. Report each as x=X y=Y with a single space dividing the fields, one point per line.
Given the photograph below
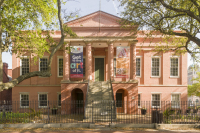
x=113 y=97
x=86 y=97
x=127 y=112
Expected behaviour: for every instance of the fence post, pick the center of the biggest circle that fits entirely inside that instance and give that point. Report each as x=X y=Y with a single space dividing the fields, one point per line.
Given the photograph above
x=48 y=112
x=92 y=111
x=111 y=112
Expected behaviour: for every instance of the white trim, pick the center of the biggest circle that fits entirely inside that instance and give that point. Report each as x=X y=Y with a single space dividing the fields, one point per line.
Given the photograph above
x=23 y=93
x=178 y=66
x=159 y=57
x=40 y=58
x=177 y=107
x=59 y=57
x=175 y=92
x=140 y=66
x=158 y=93
x=103 y=65
x=58 y=93
x=39 y=99
x=24 y=57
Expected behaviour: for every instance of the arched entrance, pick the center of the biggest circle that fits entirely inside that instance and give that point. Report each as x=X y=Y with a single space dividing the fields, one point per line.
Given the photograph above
x=121 y=100
x=77 y=102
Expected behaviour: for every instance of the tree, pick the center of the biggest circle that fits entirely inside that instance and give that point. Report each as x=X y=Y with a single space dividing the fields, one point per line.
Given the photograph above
x=21 y=23
x=167 y=16
x=194 y=89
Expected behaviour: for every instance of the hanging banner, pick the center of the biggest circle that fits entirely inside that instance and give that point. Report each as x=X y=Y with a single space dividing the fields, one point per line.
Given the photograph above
x=76 y=62
x=122 y=62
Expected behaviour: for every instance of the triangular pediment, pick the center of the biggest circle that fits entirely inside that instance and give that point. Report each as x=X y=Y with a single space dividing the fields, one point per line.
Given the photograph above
x=95 y=19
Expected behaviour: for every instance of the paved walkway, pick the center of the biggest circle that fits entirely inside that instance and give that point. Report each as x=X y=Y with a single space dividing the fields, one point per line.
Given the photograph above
x=105 y=131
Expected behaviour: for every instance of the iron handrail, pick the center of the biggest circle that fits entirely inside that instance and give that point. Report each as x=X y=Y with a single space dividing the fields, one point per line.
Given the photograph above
x=113 y=96
x=86 y=99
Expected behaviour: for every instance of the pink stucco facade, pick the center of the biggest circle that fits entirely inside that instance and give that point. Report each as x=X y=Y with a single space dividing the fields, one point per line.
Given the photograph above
x=99 y=40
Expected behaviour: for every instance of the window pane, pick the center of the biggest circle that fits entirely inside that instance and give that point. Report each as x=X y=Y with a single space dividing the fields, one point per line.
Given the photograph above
x=155 y=67
x=137 y=66
x=25 y=66
x=174 y=67
x=155 y=99
x=60 y=67
x=24 y=100
x=175 y=100
x=43 y=64
x=42 y=99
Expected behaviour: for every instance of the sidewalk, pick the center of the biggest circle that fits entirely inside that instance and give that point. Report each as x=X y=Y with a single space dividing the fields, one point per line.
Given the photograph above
x=87 y=130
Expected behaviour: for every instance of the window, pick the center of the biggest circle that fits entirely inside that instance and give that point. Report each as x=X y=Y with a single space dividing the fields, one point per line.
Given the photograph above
x=24 y=66
x=43 y=64
x=59 y=99
x=24 y=100
x=175 y=101
x=42 y=100
x=114 y=66
x=60 y=66
x=139 y=100
x=174 y=67
x=138 y=65
x=83 y=67
x=155 y=67
x=155 y=100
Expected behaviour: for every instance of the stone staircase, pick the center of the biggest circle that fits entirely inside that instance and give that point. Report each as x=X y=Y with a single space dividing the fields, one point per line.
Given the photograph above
x=100 y=102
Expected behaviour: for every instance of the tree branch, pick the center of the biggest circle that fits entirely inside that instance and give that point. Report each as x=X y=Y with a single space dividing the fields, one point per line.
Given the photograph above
x=189 y=13
x=47 y=73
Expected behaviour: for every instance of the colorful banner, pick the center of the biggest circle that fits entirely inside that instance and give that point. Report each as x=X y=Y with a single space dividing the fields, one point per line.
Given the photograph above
x=76 y=62
x=122 y=62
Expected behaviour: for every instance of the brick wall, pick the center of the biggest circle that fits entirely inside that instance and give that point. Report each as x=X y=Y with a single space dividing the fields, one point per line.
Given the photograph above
x=6 y=94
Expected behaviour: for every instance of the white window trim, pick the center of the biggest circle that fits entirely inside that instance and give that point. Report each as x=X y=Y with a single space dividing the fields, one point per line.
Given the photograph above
x=23 y=57
x=159 y=66
x=176 y=93
x=160 y=99
x=140 y=99
x=42 y=57
x=58 y=93
x=59 y=57
x=178 y=66
x=23 y=93
x=39 y=99
x=140 y=66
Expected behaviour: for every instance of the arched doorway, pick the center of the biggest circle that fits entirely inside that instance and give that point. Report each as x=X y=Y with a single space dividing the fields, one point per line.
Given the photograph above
x=121 y=100
x=77 y=101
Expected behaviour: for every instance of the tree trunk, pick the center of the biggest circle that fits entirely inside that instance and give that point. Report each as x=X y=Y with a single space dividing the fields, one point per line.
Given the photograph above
x=1 y=63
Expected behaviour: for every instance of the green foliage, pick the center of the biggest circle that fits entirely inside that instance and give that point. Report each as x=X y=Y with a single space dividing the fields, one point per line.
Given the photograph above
x=194 y=89
x=167 y=114
x=34 y=113
x=22 y=23
x=20 y=117
x=177 y=20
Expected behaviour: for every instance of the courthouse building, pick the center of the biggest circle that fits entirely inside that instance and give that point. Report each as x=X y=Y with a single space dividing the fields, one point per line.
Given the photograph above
x=147 y=76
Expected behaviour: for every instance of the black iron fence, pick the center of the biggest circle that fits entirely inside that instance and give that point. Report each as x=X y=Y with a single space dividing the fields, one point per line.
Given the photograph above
x=138 y=112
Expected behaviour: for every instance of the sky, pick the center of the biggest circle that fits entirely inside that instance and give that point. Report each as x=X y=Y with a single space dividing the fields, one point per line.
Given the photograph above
x=85 y=7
